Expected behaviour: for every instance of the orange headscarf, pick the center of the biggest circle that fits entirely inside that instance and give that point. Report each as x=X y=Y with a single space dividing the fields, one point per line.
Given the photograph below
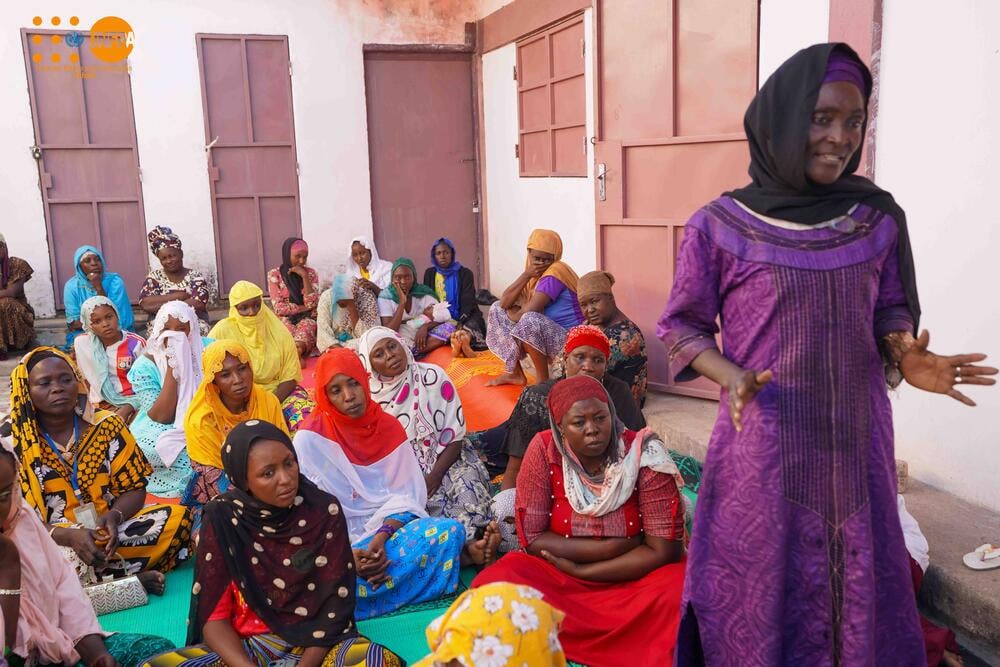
x=364 y=440
x=546 y=240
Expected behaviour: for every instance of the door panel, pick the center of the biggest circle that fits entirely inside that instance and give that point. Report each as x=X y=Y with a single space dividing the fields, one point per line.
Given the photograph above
x=422 y=155
x=675 y=78
x=252 y=165
x=89 y=162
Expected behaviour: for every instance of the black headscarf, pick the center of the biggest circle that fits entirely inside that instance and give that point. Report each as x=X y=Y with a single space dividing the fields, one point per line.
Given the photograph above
x=777 y=125
x=292 y=281
x=293 y=565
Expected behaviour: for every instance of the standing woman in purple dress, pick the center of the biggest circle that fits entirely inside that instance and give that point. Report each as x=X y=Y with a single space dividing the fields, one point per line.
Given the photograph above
x=797 y=555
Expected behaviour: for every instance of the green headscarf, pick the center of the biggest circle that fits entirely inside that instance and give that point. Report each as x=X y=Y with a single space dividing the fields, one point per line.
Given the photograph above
x=419 y=289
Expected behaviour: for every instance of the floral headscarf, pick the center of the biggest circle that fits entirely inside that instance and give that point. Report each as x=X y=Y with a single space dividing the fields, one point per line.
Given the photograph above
x=497 y=625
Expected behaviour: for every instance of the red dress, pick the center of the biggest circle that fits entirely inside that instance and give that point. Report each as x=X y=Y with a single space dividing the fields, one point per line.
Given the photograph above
x=630 y=623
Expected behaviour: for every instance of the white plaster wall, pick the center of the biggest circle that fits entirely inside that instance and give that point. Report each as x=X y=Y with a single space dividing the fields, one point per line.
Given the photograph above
x=936 y=152
x=517 y=205
x=787 y=26
x=325 y=40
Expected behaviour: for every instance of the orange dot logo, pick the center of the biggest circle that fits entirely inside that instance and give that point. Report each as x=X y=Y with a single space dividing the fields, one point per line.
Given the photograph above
x=111 y=39
x=37 y=20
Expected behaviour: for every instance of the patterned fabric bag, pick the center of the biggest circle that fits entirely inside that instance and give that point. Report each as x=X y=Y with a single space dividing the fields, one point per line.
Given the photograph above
x=111 y=595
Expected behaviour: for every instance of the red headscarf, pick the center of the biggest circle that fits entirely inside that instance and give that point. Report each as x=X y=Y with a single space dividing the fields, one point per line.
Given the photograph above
x=587 y=335
x=364 y=440
x=566 y=393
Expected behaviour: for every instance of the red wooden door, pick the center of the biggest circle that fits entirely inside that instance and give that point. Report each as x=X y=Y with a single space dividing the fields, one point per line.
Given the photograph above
x=88 y=163
x=675 y=77
x=246 y=91
x=422 y=155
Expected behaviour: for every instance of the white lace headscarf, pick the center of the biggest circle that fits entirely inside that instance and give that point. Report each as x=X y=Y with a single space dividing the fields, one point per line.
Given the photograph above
x=180 y=354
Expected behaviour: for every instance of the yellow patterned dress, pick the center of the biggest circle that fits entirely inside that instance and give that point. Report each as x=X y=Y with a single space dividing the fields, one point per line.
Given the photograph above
x=109 y=464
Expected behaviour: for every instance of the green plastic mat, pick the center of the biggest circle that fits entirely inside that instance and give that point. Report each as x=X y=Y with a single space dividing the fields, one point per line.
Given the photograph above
x=165 y=616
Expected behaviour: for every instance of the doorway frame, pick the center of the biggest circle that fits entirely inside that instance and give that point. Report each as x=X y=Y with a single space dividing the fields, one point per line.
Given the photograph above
x=57 y=292
x=468 y=47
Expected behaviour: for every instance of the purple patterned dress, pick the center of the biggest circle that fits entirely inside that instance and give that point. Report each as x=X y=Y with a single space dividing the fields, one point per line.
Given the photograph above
x=797 y=555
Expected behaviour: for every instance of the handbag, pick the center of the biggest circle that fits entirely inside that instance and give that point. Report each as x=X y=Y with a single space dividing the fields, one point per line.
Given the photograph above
x=111 y=595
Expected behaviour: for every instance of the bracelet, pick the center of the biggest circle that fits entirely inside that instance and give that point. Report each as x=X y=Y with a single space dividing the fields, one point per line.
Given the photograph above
x=121 y=517
x=52 y=530
x=10 y=591
x=386 y=529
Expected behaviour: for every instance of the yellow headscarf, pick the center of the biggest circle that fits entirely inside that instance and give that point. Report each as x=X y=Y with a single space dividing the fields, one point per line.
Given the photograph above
x=546 y=240
x=208 y=421
x=497 y=620
x=272 y=349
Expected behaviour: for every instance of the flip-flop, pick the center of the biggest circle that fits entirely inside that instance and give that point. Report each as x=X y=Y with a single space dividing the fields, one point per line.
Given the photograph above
x=985 y=557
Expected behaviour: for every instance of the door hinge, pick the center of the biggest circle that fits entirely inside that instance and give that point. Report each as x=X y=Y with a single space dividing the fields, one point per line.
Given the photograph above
x=140 y=174
x=517 y=150
x=515 y=72
x=585 y=145
x=289 y=68
x=583 y=48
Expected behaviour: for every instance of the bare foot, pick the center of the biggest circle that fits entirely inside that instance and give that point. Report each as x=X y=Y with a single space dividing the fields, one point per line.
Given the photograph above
x=154 y=582
x=952 y=659
x=456 y=346
x=467 y=347
x=483 y=551
x=516 y=377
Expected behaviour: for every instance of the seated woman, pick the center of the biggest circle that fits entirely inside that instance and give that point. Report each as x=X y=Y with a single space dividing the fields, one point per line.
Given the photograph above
x=92 y=279
x=272 y=350
x=372 y=273
x=601 y=519
x=164 y=379
x=45 y=616
x=294 y=291
x=627 y=360
x=455 y=284
x=105 y=354
x=511 y=623
x=173 y=281
x=535 y=311
x=274 y=582
x=408 y=307
x=85 y=477
x=585 y=353
x=428 y=407
x=17 y=318
x=345 y=314
x=226 y=397
x=352 y=449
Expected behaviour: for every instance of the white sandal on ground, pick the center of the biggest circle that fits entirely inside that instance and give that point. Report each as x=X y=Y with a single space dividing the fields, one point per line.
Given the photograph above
x=985 y=557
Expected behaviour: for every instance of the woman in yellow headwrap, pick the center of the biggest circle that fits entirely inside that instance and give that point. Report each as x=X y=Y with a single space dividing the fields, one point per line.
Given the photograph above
x=227 y=396
x=496 y=624
x=273 y=354
x=85 y=477
x=535 y=311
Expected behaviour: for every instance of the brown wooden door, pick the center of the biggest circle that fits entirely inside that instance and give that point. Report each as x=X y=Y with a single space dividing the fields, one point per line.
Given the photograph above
x=675 y=77
x=422 y=155
x=246 y=91
x=88 y=162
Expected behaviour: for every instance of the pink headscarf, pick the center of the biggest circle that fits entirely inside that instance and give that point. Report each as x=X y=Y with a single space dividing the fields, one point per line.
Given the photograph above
x=55 y=612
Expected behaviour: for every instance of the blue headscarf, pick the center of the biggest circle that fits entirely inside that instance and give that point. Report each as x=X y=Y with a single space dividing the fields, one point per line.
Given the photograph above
x=340 y=290
x=450 y=275
x=78 y=289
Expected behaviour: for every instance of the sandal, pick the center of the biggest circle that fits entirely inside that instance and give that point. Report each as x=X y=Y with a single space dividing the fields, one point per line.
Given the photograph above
x=985 y=557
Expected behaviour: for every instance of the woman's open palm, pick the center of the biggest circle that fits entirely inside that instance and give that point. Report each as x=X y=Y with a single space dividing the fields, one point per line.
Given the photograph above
x=941 y=374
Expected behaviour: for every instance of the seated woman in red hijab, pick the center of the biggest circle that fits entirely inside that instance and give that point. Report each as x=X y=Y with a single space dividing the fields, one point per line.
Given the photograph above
x=601 y=520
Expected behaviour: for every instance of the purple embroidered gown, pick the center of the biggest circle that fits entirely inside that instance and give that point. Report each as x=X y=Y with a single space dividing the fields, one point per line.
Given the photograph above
x=797 y=555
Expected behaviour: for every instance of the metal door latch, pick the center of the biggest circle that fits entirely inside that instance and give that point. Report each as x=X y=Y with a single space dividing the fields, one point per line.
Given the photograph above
x=602 y=178
x=36 y=152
